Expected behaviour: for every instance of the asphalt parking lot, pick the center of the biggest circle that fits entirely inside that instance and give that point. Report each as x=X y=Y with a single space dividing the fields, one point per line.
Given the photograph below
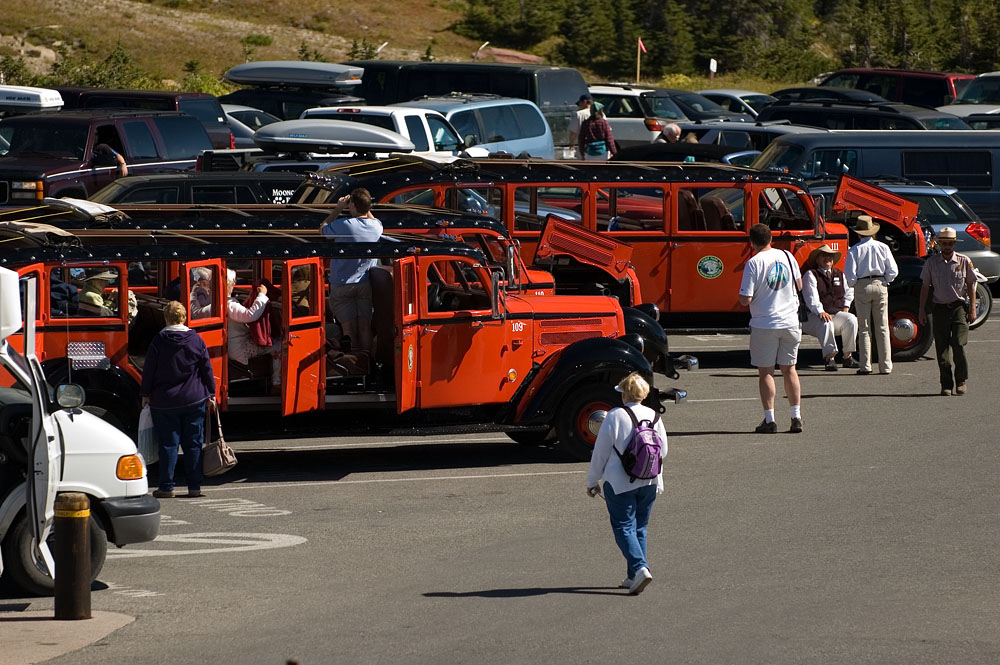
x=869 y=538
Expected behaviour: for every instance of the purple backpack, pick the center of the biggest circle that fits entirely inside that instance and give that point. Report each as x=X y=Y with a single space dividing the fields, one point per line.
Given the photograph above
x=641 y=457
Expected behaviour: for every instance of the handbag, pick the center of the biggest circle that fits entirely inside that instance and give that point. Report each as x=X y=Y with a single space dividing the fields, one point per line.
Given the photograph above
x=803 y=310
x=146 y=442
x=216 y=457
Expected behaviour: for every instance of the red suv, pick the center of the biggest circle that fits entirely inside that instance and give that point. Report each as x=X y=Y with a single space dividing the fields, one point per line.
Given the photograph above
x=902 y=85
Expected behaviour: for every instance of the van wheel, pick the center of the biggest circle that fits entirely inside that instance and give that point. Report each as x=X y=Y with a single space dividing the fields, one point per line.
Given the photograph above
x=908 y=338
x=25 y=566
x=110 y=409
x=580 y=417
x=530 y=437
x=984 y=303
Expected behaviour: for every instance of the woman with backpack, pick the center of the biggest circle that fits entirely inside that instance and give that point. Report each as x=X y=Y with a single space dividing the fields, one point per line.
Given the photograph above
x=628 y=456
x=596 y=142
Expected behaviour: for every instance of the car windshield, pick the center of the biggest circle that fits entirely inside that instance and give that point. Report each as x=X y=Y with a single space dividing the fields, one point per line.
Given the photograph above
x=782 y=157
x=944 y=122
x=984 y=90
x=757 y=102
x=48 y=139
x=661 y=106
x=697 y=102
x=940 y=209
x=253 y=119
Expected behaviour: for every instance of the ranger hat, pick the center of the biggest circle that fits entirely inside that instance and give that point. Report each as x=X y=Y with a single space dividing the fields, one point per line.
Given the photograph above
x=824 y=249
x=947 y=233
x=866 y=226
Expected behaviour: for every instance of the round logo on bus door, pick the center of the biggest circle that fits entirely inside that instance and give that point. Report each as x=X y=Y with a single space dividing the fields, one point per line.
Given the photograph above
x=409 y=358
x=710 y=267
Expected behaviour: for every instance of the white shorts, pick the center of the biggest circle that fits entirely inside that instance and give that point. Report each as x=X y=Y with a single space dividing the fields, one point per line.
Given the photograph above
x=774 y=346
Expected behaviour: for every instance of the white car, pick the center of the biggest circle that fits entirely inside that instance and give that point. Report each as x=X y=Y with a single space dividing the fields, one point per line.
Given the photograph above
x=739 y=101
x=982 y=95
x=429 y=131
x=244 y=121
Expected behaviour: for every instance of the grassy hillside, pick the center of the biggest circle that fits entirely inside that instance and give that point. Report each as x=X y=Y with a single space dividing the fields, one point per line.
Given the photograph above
x=164 y=34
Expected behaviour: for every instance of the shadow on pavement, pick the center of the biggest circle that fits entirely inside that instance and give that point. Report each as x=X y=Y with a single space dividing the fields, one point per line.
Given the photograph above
x=528 y=592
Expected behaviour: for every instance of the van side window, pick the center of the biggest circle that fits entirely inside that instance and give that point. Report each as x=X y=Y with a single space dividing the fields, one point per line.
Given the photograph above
x=530 y=121
x=924 y=91
x=968 y=169
x=418 y=135
x=108 y=134
x=140 y=141
x=831 y=162
x=533 y=204
x=209 y=194
x=499 y=123
x=467 y=125
x=181 y=136
x=557 y=87
x=151 y=195
x=206 y=110
x=630 y=209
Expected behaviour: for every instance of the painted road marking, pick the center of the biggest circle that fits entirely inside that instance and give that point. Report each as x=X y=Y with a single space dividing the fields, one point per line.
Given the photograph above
x=318 y=483
x=122 y=590
x=240 y=507
x=238 y=542
x=167 y=520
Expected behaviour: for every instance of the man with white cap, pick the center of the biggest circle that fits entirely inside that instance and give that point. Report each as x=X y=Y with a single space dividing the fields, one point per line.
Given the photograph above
x=870 y=268
x=829 y=298
x=953 y=280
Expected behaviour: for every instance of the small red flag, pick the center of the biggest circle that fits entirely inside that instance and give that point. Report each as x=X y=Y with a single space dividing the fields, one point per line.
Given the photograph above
x=641 y=45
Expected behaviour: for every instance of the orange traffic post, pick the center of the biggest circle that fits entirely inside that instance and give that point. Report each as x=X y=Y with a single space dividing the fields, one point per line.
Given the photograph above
x=72 y=556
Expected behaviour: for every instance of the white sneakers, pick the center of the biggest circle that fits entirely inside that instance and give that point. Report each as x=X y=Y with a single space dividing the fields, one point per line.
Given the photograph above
x=626 y=583
x=641 y=581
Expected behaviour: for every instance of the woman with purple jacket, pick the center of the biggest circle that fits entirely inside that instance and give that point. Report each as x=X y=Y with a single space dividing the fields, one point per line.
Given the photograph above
x=177 y=380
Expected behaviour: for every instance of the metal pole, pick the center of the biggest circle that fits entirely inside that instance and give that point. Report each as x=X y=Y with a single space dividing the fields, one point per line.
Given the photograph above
x=72 y=556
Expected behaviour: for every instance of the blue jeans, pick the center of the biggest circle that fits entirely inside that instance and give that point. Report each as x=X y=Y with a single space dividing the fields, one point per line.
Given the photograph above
x=184 y=427
x=629 y=513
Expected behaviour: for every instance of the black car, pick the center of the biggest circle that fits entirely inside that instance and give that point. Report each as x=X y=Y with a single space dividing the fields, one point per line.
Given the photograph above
x=828 y=114
x=219 y=188
x=806 y=93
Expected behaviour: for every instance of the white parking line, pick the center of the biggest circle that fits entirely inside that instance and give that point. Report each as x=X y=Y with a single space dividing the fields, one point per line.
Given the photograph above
x=491 y=437
x=316 y=483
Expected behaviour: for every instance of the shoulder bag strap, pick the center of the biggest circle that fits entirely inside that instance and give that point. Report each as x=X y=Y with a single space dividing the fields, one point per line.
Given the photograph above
x=788 y=257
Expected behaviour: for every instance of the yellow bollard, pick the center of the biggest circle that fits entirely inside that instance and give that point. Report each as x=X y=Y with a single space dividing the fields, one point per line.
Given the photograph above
x=72 y=556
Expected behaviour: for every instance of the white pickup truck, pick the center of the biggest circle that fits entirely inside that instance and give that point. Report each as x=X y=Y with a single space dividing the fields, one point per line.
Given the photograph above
x=429 y=131
x=49 y=445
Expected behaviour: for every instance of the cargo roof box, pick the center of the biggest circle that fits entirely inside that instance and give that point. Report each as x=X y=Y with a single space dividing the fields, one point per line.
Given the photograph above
x=23 y=99
x=295 y=73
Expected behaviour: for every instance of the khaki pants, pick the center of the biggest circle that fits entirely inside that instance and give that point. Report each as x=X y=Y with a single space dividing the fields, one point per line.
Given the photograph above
x=871 y=297
x=844 y=324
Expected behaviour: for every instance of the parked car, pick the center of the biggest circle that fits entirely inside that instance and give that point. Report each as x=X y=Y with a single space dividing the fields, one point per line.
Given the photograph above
x=743 y=136
x=429 y=131
x=845 y=94
x=244 y=121
x=554 y=90
x=920 y=88
x=739 y=101
x=204 y=107
x=286 y=88
x=494 y=123
x=52 y=154
x=981 y=95
x=829 y=114
x=984 y=120
x=638 y=115
x=940 y=207
x=215 y=188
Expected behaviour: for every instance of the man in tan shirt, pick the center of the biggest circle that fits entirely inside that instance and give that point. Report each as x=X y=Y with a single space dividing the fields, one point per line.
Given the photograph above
x=953 y=280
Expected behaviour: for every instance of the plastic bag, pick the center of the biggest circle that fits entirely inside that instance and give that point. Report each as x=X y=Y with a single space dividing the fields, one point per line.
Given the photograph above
x=147 y=444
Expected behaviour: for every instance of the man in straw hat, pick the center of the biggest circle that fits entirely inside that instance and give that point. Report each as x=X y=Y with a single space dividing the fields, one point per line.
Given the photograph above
x=829 y=299
x=869 y=269
x=770 y=285
x=953 y=280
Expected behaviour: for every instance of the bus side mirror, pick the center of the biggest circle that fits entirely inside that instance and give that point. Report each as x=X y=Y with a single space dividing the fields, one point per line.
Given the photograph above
x=513 y=283
x=819 y=204
x=498 y=314
x=70 y=396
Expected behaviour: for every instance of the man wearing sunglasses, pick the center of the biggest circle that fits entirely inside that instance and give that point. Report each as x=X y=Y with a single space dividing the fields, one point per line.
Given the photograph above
x=953 y=280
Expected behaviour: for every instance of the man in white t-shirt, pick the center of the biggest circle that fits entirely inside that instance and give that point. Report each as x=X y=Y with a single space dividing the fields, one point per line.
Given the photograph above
x=576 y=120
x=770 y=286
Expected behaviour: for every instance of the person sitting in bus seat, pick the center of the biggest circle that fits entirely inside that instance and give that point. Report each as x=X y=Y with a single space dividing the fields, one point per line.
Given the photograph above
x=300 y=291
x=201 y=293
x=91 y=305
x=241 y=345
x=64 y=298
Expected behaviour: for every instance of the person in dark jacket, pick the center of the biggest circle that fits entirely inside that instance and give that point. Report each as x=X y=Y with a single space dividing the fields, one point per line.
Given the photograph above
x=177 y=381
x=595 y=141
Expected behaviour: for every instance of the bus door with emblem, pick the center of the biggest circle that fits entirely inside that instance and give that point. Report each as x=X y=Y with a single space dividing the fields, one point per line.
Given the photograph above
x=708 y=247
x=303 y=354
x=466 y=350
x=203 y=293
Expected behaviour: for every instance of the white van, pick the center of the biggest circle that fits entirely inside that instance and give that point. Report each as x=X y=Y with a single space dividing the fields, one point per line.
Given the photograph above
x=49 y=445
